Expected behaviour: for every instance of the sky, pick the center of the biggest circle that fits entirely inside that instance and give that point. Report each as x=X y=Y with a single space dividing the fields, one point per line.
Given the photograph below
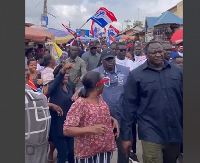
x=78 y=11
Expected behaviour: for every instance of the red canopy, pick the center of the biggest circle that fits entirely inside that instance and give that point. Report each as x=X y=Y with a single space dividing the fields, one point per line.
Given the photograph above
x=178 y=35
x=37 y=34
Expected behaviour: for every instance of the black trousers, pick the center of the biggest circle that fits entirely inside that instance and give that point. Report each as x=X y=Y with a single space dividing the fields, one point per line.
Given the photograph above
x=181 y=150
x=134 y=134
x=65 y=148
x=121 y=156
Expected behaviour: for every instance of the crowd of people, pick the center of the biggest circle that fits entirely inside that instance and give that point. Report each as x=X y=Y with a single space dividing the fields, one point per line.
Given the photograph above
x=97 y=99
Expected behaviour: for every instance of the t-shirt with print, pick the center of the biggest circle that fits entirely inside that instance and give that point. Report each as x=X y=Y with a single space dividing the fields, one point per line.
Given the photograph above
x=126 y=62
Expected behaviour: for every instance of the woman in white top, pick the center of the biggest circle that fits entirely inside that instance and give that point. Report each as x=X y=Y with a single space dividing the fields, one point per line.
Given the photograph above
x=39 y=58
x=49 y=64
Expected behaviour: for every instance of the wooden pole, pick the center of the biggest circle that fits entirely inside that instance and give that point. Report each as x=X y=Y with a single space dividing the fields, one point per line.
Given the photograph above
x=81 y=26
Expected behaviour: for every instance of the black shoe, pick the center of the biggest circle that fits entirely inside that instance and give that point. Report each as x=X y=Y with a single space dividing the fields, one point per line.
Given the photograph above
x=133 y=157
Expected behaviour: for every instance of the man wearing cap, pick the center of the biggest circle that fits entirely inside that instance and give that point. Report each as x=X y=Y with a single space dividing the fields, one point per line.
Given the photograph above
x=91 y=57
x=113 y=91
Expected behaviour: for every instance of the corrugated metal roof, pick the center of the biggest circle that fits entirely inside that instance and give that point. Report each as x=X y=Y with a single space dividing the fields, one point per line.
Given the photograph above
x=169 y=18
x=151 y=21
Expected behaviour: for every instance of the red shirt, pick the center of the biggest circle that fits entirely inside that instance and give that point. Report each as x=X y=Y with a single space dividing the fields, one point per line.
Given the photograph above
x=82 y=114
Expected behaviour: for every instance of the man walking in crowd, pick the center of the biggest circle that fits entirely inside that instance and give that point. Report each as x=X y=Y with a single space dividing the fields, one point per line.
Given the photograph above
x=122 y=60
x=79 y=68
x=98 y=48
x=174 y=51
x=138 y=56
x=180 y=52
x=154 y=98
x=167 y=50
x=121 y=56
x=113 y=91
x=46 y=51
x=143 y=47
x=113 y=46
x=91 y=57
x=178 y=60
x=104 y=46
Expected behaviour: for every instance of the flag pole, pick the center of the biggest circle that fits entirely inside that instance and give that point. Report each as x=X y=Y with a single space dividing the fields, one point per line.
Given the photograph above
x=67 y=29
x=81 y=27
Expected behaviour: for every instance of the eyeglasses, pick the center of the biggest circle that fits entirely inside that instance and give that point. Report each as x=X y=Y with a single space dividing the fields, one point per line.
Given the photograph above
x=93 y=48
x=121 y=50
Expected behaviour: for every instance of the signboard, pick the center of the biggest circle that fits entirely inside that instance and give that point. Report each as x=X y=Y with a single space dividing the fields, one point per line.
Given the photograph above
x=83 y=32
x=45 y=20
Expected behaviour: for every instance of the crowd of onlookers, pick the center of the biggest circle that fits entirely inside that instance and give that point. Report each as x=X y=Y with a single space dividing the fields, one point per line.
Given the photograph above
x=89 y=103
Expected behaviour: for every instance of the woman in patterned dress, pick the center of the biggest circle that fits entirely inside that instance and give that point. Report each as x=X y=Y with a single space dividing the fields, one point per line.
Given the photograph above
x=90 y=123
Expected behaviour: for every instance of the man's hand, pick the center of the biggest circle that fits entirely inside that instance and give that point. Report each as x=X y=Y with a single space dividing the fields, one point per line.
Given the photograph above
x=39 y=81
x=126 y=147
x=115 y=126
x=76 y=95
x=67 y=67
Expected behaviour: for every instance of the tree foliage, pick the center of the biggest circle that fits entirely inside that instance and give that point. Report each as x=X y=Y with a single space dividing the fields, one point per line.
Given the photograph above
x=137 y=23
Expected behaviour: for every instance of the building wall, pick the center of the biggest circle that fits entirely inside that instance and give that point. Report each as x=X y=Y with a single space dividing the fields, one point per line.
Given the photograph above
x=178 y=10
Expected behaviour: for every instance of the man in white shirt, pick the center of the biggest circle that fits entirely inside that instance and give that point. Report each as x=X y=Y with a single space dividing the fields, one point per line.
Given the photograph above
x=121 y=56
x=180 y=51
x=138 y=55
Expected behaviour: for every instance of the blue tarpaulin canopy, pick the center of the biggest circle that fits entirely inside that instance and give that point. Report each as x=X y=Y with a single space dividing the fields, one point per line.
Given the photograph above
x=58 y=33
x=150 y=21
x=169 y=18
x=166 y=18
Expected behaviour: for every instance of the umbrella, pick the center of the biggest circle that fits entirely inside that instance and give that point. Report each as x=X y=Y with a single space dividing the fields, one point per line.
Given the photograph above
x=62 y=40
x=58 y=33
x=133 y=37
x=179 y=41
x=178 y=35
x=124 y=37
x=37 y=34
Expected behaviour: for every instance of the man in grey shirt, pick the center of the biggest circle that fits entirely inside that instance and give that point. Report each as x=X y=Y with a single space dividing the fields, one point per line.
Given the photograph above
x=113 y=90
x=91 y=57
x=76 y=73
